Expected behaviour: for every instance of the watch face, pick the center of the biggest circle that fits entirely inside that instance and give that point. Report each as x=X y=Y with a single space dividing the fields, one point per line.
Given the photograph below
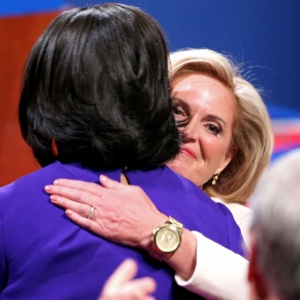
x=167 y=239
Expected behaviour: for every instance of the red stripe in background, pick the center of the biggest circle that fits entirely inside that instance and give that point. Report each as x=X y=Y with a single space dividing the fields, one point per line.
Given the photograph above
x=287 y=134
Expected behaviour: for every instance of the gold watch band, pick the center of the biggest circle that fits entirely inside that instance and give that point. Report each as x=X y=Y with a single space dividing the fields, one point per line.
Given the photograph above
x=166 y=239
x=176 y=223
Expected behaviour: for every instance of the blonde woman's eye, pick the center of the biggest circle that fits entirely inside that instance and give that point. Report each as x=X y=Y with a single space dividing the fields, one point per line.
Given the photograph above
x=177 y=111
x=213 y=129
x=180 y=116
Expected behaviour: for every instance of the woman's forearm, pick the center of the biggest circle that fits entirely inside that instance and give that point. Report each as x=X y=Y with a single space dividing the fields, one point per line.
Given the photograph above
x=219 y=272
x=183 y=261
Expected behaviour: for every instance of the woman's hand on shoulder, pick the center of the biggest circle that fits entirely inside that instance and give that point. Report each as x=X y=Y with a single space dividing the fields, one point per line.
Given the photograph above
x=122 y=213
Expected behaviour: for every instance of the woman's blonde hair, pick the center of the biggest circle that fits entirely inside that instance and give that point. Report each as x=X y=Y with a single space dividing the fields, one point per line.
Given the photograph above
x=252 y=133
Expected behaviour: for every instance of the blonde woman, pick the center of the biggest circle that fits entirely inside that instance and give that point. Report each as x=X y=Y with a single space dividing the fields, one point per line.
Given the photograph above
x=251 y=131
x=227 y=142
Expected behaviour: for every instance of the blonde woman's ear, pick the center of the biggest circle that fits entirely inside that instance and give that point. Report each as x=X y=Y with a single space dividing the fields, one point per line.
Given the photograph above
x=231 y=153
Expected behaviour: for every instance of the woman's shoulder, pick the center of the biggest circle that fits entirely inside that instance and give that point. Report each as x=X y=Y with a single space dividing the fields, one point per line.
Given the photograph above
x=179 y=197
x=242 y=215
x=240 y=212
x=30 y=178
x=32 y=184
x=163 y=180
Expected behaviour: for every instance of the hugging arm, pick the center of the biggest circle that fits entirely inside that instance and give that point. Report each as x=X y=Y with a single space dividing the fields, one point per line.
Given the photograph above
x=124 y=214
x=219 y=274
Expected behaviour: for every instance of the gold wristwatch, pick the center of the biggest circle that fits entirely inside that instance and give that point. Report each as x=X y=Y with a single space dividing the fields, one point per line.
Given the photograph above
x=166 y=239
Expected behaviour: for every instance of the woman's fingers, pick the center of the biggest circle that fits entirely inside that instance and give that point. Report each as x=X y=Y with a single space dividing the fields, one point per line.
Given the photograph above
x=78 y=184
x=121 y=284
x=138 y=289
x=84 y=222
x=111 y=184
x=123 y=213
x=73 y=194
x=80 y=191
x=81 y=209
x=125 y=272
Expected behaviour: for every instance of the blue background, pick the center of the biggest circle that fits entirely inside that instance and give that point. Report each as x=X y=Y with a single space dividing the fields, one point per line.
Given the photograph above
x=263 y=35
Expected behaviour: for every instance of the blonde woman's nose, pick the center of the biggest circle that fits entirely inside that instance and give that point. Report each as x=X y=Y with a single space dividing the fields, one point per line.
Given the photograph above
x=191 y=132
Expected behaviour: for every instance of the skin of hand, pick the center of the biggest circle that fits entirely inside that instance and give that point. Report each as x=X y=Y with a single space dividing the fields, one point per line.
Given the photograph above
x=111 y=221
x=121 y=285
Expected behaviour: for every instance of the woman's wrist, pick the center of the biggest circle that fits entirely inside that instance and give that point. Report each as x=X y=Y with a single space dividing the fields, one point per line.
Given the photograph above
x=183 y=260
x=147 y=236
x=166 y=239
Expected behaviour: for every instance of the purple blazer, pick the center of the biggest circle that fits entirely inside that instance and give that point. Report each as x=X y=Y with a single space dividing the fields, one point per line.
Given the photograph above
x=43 y=255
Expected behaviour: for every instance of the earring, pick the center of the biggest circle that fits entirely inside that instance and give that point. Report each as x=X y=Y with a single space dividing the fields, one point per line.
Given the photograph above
x=215 y=179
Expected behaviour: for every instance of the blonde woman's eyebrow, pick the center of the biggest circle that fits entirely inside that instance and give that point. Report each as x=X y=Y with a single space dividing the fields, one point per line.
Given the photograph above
x=214 y=117
x=180 y=101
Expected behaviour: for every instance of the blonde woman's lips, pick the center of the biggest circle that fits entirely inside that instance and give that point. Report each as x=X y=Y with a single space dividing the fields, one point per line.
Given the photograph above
x=188 y=152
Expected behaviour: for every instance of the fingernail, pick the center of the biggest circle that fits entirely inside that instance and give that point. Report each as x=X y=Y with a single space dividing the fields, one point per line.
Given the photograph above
x=56 y=181
x=69 y=212
x=54 y=198
x=47 y=188
x=103 y=178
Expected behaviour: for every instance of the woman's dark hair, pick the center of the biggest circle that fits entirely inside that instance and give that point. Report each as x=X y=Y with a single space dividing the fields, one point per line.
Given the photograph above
x=96 y=83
